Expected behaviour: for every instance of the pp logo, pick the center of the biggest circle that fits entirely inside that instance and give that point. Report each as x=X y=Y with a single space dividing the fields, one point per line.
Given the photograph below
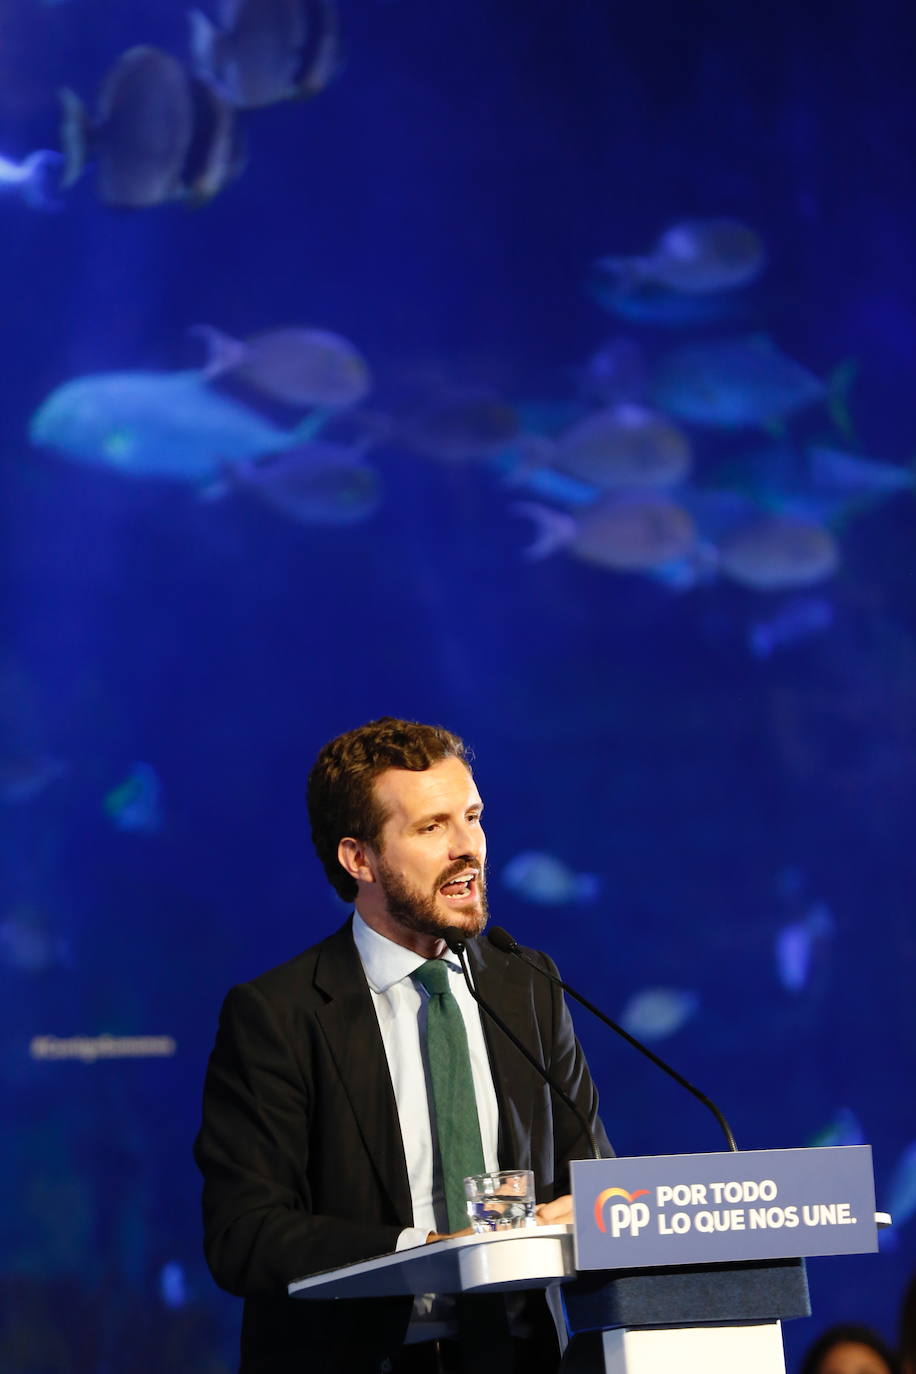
x=630 y=1216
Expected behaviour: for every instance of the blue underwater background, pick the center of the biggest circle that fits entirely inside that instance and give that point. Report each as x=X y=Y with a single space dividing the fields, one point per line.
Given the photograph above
x=700 y=794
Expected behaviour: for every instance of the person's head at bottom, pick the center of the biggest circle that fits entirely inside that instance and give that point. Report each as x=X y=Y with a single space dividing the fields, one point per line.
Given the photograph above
x=849 y=1349
x=396 y=823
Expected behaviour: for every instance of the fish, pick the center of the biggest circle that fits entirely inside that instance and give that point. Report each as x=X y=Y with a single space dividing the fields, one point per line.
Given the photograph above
x=157 y=425
x=546 y=880
x=695 y=257
x=264 y=51
x=37 y=178
x=539 y=479
x=850 y=474
x=461 y=427
x=629 y=532
x=796 y=943
x=776 y=553
x=778 y=478
x=625 y=447
x=28 y=944
x=657 y=1012
x=25 y=777
x=733 y=384
x=299 y=366
x=844 y=1129
x=901 y=1195
x=135 y=803
x=796 y=620
x=320 y=483
x=648 y=303
x=158 y=134
x=217 y=153
x=173 y=1285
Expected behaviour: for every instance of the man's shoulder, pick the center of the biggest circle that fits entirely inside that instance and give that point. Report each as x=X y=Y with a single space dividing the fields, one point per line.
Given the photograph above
x=292 y=978
x=500 y=967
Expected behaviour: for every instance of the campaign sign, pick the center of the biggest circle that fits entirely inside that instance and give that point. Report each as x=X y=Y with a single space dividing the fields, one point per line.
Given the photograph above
x=754 y=1204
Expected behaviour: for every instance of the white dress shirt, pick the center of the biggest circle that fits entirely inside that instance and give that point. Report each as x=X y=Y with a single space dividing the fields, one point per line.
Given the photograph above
x=400 y=1005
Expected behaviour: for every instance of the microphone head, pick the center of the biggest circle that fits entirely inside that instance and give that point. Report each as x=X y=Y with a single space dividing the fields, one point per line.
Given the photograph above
x=455 y=939
x=502 y=940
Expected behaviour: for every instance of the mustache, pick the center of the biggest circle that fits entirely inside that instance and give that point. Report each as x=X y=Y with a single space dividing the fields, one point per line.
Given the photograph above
x=461 y=867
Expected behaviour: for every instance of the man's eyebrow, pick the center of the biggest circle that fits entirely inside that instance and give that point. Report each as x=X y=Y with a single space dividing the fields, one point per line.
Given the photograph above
x=444 y=815
x=432 y=816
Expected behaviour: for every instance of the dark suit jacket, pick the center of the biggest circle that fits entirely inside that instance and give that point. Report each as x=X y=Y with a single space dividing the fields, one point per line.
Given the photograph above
x=300 y=1145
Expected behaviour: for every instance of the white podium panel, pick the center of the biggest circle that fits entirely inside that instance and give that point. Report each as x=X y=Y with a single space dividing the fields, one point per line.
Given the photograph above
x=499 y=1260
x=749 y=1349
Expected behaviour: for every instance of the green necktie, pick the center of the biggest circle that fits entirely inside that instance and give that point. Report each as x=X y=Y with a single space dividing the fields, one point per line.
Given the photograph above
x=457 y=1126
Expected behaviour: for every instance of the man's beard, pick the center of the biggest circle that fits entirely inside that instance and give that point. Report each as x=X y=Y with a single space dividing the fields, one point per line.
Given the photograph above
x=417 y=912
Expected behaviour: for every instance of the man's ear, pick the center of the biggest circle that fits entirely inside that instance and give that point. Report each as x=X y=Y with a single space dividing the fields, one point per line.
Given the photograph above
x=354 y=858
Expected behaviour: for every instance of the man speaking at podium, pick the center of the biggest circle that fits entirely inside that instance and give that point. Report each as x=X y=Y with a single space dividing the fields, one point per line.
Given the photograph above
x=324 y=1140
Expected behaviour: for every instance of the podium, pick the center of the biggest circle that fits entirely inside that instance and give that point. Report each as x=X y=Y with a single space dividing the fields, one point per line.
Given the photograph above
x=686 y=1281
x=708 y=1318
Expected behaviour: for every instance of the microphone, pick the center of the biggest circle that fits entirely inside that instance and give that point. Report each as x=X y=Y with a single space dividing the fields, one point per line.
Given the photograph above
x=455 y=940
x=503 y=941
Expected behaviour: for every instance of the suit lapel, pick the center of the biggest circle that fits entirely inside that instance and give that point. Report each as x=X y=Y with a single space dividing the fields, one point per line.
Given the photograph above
x=351 y=1029
x=501 y=982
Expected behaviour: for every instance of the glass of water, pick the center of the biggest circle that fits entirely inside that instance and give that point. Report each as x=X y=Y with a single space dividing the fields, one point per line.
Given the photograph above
x=501 y=1201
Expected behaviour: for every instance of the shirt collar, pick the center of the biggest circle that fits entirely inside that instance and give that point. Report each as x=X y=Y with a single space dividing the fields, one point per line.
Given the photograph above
x=386 y=963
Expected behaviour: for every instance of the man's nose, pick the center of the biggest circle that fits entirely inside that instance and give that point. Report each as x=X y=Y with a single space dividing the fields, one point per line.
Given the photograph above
x=467 y=842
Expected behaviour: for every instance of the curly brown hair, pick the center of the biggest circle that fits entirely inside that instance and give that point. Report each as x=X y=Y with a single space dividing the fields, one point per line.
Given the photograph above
x=341 y=794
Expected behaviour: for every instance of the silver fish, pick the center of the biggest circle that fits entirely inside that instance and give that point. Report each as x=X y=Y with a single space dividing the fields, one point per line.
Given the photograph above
x=264 y=51
x=695 y=257
x=157 y=424
x=299 y=366
x=158 y=134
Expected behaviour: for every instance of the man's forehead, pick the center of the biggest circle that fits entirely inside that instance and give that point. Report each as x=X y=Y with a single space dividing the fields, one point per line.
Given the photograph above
x=444 y=785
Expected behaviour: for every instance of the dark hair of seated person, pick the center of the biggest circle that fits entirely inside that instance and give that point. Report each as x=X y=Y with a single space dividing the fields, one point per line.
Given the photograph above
x=847 y=1333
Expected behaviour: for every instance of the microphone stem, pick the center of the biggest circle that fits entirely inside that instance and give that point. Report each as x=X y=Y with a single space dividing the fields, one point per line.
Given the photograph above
x=458 y=948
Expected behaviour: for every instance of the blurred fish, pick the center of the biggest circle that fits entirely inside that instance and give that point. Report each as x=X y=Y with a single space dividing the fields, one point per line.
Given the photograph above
x=461 y=427
x=264 y=51
x=321 y=483
x=627 y=533
x=777 y=552
x=158 y=134
x=795 y=621
x=778 y=478
x=547 y=482
x=25 y=777
x=649 y=303
x=302 y=367
x=548 y=881
x=173 y=1286
x=37 y=178
x=695 y=257
x=901 y=1199
x=157 y=424
x=733 y=384
x=28 y=944
x=796 y=943
x=656 y=1013
x=134 y=803
x=217 y=152
x=844 y=1129
x=625 y=446
x=833 y=470
x=615 y=373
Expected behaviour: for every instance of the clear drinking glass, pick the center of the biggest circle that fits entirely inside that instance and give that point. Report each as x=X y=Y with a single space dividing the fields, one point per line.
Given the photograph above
x=501 y=1201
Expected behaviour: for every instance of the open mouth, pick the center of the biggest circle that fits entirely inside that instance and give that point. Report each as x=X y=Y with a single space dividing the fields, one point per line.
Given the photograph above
x=460 y=889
